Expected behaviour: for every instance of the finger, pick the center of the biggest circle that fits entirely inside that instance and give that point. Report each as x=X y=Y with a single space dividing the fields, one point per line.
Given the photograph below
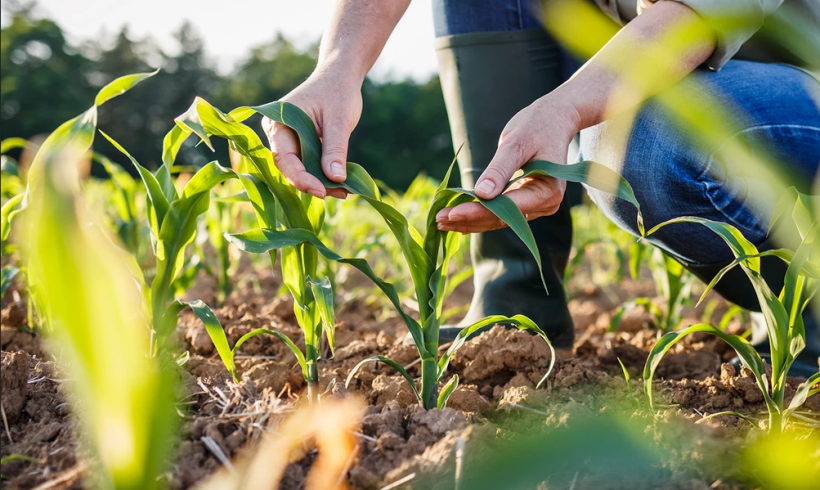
x=534 y=197
x=470 y=211
x=337 y=193
x=509 y=157
x=284 y=146
x=334 y=151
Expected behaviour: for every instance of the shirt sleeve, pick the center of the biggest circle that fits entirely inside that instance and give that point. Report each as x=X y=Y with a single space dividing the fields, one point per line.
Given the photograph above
x=734 y=22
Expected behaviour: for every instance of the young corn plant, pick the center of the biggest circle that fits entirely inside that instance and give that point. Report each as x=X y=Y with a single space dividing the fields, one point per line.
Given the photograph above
x=280 y=207
x=123 y=398
x=782 y=313
x=672 y=282
x=427 y=256
x=173 y=221
x=87 y=287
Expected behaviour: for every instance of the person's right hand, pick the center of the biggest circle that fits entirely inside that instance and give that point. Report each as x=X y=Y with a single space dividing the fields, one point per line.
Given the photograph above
x=335 y=105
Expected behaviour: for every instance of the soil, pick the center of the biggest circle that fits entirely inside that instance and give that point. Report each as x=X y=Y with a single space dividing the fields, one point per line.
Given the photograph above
x=498 y=372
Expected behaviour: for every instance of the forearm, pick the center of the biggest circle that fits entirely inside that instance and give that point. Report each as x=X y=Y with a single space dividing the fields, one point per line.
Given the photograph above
x=357 y=34
x=651 y=53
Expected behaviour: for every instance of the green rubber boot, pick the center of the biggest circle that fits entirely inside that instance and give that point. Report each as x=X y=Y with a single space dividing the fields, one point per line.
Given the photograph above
x=486 y=79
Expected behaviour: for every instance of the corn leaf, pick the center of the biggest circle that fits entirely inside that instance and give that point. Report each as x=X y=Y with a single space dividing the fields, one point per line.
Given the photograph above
x=398 y=367
x=505 y=209
x=8 y=212
x=120 y=86
x=323 y=294
x=777 y=319
x=214 y=329
x=279 y=335
x=519 y=321
x=9 y=144
x=123 y=397
x=77 y=134
x=158 y=201
x=802 y=393
x=446 y=391
x=745 y=351
x=358 y=180
x=589 y=173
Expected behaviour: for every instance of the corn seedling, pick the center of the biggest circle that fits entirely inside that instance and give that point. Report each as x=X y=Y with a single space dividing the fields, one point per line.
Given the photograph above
x=279 y=209
x=427 y=257
x=173 y=222
x=124 y=193
x=672 y=282
x=782 y=313
x=222 y=216
x=123 y=397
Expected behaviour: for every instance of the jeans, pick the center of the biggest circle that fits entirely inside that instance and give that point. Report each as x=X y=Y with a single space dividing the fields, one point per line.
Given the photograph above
x=771 y=109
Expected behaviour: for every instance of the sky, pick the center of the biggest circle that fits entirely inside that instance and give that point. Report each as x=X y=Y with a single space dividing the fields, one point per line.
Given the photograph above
x=231 y=27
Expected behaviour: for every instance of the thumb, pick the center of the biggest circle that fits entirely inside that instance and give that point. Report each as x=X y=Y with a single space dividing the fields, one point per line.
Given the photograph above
x=334 y=151
x=504 y=164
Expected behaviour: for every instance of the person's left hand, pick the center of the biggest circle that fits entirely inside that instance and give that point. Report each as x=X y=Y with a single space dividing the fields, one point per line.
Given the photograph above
x=541 y=131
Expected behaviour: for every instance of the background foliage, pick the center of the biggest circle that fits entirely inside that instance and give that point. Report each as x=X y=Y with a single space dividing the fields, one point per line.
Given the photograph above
x=403 y=130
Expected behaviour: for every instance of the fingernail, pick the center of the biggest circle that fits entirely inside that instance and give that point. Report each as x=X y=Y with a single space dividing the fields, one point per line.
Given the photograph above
x=486 y=187
x=337 y=169
x=442 y=216
x=439 y=225
x=317 y=193
x=455 y=217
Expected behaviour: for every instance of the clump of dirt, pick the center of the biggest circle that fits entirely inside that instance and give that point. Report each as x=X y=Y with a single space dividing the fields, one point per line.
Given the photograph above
x=396 y=438
x=40 y=427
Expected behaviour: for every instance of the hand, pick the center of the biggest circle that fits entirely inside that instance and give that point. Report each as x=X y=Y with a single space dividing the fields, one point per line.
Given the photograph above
x=541 y=131
x=334 y=103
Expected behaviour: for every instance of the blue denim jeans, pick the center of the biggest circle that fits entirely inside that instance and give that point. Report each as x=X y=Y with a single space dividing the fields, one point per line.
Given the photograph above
x=772 y=110
x=770 y=106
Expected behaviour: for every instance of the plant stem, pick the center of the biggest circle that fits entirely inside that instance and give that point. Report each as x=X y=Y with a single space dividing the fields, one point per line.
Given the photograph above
x=311 y=355
x=429 y=383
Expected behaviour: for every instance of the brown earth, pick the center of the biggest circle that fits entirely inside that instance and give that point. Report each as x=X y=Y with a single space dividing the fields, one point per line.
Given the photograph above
x=498 y=373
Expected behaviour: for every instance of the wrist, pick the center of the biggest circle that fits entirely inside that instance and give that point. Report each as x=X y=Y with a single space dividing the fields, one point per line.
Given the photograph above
x=345 y=70
x=563 y=112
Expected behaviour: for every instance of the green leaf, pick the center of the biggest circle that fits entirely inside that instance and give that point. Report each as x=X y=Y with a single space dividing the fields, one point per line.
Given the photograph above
x=802 y=393
x=168 y=322
x=505 y=209
x=9 y=144
x=279 y=335
x=171 y=145
x=8 y=212
x=748 y=419
x=745 y=351
x=158 y=201
x=589 y=173
x=398 y=367
x=246 y=142
x=323 y=294
x=215 y=331
x=264 y=240
x=358 y=180
x=445 y=393
x=120 y=86
x=732 y=236
x=519 y=321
